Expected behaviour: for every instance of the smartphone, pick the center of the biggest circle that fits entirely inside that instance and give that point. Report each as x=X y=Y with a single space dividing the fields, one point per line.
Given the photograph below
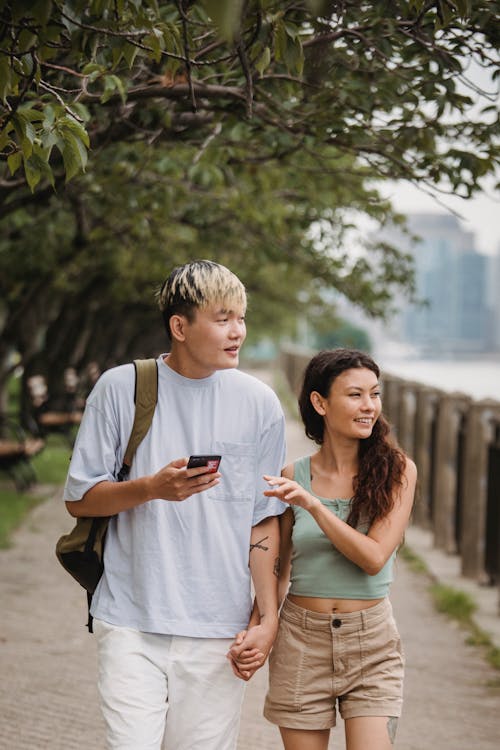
x=211 y=462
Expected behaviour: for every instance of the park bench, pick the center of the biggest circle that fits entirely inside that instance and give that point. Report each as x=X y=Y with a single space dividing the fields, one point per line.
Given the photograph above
x=55 y=415
x=16 y=451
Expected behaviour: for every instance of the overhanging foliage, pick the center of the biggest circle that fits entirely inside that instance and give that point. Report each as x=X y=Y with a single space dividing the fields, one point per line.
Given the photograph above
x=136 y=135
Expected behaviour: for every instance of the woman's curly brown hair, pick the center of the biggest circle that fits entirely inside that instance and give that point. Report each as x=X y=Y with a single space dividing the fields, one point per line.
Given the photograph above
x=381 y=462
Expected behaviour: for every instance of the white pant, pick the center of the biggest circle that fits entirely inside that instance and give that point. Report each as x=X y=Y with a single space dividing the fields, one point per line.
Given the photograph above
x=155 y=686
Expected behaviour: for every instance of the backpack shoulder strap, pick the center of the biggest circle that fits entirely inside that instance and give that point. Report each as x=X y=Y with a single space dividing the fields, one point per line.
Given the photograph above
x=145 y=397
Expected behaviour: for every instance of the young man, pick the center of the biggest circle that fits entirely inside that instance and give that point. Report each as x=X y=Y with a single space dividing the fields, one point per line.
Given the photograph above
x=182 y=544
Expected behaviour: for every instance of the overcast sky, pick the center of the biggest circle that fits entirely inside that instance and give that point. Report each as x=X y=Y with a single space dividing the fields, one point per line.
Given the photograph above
x=481 y=214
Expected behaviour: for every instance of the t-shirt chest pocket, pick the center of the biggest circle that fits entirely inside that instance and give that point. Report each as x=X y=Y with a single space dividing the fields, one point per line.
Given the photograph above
x=237 y=468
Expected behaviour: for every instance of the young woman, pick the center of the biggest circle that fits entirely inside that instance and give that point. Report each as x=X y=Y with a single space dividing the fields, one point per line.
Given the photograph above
x=350 y=502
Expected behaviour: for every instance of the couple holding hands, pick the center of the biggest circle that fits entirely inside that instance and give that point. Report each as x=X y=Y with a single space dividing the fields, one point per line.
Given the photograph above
x=317 y=539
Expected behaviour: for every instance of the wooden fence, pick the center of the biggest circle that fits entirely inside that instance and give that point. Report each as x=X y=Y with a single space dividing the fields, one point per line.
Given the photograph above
x=455 y=442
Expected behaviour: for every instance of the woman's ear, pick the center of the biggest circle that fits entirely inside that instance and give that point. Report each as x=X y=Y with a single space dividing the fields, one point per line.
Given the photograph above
x=177 y=325
x=318 y=402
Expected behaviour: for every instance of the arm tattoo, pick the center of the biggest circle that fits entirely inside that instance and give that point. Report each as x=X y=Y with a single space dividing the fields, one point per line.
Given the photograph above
x=392 y=724
x=277 y=567
x=259 y=545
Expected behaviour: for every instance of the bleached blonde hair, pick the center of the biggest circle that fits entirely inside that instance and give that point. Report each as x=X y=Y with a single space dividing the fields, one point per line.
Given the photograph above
x=197 y=285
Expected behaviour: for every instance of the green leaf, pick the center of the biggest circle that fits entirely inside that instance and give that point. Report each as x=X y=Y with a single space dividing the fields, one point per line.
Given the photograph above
x=130 y=53
x=294 y=56
x=280 y=40
x=14 y=161
x=25 y=132
x=26 y=40
x=446 y=12
x=156 y=42
x=4 y=139
x=92 y=67
x=464 y=7
x=113 y=83
x=31 y=114
x=40 y=11
x=5 y=77
x=226 y=15
x=263 y=61
x=74 y=156
x=40 y=160
x=69 y=123
x=32 y=172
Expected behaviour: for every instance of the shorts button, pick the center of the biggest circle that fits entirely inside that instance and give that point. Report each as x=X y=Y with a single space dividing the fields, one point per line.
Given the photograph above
x=337 y=623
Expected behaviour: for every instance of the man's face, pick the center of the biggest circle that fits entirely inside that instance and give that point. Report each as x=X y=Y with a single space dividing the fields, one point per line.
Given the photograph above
x=212 y=340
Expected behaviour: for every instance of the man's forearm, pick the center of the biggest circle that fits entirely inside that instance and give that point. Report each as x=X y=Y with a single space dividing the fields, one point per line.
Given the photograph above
x=264 y=568
x=109 y=498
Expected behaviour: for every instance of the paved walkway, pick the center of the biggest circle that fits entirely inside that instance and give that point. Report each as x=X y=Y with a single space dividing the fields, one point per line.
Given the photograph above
x=48 y=697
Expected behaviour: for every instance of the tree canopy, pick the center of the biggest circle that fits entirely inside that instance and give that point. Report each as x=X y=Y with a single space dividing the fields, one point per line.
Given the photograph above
x=136 y=135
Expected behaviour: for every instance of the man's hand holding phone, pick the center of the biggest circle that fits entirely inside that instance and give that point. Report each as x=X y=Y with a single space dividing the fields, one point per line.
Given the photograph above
x=182 y=478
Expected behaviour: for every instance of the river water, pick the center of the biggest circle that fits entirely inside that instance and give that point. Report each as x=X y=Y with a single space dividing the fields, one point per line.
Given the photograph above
x=479 y=379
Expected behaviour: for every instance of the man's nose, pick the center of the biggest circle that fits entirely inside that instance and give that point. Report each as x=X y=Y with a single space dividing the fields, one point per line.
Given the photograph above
x=236 y=329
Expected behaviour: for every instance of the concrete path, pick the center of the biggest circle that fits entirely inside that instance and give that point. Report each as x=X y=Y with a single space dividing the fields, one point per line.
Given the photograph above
x=48 y=698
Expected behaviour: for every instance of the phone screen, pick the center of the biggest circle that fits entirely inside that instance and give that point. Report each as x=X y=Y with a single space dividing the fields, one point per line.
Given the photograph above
x=211 y=462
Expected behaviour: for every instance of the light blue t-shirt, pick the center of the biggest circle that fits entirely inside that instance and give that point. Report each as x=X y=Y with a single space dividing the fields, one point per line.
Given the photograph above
x=182 y=568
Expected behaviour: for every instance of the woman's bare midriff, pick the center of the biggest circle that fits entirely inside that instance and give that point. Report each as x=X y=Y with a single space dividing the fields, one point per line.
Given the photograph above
x=328 y=606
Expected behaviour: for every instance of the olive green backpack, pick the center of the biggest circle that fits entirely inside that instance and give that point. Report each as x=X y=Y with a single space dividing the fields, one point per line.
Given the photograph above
x=81 y=551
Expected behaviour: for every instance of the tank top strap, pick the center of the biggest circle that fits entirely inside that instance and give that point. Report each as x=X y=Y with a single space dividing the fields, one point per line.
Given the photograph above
x=302 y=472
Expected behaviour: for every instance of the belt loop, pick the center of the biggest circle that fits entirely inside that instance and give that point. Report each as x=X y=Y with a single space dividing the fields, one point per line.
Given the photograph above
x=364 y=618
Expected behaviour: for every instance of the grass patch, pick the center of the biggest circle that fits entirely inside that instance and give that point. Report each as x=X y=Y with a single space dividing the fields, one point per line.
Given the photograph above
x=14 y=506
x=458 y=606
x=493 y=656
x=51 y=466
x=414 y=561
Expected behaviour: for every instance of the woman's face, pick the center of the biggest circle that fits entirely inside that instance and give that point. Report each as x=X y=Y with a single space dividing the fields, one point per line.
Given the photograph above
x=353 y=404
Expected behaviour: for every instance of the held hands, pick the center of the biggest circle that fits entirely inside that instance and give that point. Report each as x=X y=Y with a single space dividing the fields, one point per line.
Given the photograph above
x=251 y=648
x=290 y=492
x=176 y=482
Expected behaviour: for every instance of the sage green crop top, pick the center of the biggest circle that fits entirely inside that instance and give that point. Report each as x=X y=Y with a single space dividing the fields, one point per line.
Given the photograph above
x=318 y=568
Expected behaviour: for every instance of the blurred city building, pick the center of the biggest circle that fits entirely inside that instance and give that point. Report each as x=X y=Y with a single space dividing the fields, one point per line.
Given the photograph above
x=458 y=290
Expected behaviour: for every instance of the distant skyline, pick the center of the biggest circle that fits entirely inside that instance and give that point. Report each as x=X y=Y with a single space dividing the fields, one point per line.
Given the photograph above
x=480 y=215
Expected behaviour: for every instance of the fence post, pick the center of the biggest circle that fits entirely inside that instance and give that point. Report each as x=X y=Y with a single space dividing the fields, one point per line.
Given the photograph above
x=407 y=420
x=391 y=399
x=478 y=437
x=445 y=491
x=425 y=421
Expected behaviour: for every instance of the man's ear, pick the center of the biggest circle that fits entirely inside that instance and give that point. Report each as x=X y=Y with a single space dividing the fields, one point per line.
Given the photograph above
x=318 y=402
x=177 y=325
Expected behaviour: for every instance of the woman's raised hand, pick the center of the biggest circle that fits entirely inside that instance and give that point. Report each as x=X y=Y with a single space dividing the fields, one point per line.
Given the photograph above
x=290 y=492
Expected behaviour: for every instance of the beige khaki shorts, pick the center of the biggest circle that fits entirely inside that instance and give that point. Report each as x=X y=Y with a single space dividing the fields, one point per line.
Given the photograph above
x=319 y=659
